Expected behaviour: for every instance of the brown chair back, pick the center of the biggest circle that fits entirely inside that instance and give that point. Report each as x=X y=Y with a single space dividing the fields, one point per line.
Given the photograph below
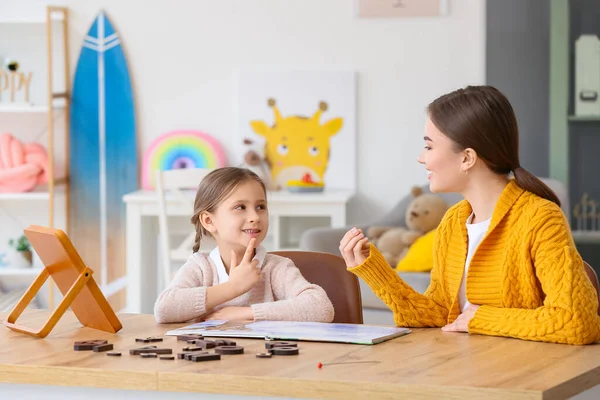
x=329 y=271
x=594 y=278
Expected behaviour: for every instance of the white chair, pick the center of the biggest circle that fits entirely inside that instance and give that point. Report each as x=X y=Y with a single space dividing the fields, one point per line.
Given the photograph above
x=175 y=183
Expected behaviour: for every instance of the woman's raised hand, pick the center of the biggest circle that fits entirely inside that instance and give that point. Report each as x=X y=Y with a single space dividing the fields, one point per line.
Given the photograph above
x=354 y=247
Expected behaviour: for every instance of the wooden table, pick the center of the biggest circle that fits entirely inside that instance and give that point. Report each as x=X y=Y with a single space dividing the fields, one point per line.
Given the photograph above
x=424 y=364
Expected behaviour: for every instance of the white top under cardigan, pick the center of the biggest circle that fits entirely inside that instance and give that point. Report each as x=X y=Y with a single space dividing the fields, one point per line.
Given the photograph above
x=476 y=233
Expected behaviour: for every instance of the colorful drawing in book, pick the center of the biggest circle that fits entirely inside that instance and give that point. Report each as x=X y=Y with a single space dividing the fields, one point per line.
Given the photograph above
x=297 y=147
x=181 y=149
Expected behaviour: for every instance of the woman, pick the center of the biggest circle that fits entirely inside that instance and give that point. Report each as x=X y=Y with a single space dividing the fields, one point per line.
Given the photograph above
x=505 y=263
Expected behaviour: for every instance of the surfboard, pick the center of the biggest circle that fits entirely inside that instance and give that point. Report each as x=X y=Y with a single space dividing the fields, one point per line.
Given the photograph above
x=103 y=163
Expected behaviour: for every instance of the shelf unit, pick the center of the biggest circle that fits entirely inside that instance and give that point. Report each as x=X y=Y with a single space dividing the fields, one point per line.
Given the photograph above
x=566 y=128
x=584 y=118
x=561 y=91
x=56 y=100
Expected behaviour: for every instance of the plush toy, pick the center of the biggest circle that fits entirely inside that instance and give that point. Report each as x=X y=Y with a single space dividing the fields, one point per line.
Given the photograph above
x=22 y=166
x=423 y=215
x=419 y=256
x=254 y=160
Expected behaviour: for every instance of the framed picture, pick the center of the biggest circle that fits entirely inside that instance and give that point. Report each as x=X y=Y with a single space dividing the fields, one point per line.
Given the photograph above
x=401 y=8
x=301 y=123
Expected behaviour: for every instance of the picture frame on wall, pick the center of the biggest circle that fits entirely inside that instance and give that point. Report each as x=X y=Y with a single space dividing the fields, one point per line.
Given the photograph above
x=301 y=122
x=401 y=8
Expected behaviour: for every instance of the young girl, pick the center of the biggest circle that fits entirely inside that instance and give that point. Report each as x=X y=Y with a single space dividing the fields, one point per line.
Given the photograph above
x=505 y=263
x=238 y=280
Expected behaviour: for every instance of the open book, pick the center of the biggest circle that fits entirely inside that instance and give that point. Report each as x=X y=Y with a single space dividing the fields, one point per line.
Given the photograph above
x=291 y=330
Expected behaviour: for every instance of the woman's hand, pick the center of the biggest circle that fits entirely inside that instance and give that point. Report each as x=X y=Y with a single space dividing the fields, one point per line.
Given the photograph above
x=233 y=314
x=461 y=324
x=244 y=276
x=354 y=247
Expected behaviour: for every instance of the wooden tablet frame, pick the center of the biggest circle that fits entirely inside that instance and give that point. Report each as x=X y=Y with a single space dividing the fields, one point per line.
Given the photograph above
x=73 y=278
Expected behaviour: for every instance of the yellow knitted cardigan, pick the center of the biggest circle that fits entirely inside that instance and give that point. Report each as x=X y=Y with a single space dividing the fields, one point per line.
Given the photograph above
x=526 y=275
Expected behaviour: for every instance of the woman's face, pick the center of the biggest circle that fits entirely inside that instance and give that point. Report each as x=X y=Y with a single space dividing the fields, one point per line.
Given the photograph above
x=442 y=163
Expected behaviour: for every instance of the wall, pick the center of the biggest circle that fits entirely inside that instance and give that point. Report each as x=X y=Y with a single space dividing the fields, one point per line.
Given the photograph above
x=183 y=55
x=517 y=63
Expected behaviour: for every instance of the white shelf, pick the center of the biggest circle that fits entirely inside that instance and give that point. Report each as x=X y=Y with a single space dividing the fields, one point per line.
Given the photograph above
x=584 y=118
x=40 y=194
x=25 y=196
x=25 y=108
x=7 y=271
x=586 y=236
x=56 y=16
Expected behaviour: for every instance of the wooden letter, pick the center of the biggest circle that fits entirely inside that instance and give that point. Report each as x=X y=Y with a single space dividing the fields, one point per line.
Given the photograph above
x=25 y=80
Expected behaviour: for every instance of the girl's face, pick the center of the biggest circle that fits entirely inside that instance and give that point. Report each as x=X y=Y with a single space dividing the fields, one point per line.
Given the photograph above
x=442 y=163
x=241 y=216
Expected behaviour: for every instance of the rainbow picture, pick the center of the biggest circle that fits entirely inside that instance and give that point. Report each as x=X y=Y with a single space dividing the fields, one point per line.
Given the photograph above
x=181 y=149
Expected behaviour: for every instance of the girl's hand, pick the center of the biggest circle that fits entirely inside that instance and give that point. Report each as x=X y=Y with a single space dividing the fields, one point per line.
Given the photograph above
x=233 y=314
x=244 y=276
x=461 y=324
x=354 y=247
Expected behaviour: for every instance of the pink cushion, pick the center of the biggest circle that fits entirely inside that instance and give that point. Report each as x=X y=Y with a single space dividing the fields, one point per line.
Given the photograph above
x=22 y=167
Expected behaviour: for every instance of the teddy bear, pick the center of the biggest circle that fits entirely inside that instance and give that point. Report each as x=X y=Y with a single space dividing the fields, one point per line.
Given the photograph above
x=254 y=160
x=423 y=215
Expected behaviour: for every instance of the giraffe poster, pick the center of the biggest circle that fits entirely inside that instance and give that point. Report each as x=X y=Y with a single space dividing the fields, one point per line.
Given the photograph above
x=303 y=123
